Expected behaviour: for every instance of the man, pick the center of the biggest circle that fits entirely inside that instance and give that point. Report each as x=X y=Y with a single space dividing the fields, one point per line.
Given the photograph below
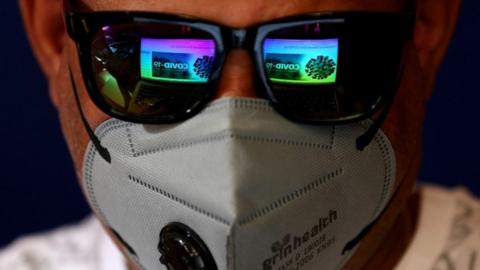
x=151 y=213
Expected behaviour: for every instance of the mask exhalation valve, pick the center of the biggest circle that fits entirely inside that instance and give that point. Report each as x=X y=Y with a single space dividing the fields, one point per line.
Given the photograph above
x=182 y=249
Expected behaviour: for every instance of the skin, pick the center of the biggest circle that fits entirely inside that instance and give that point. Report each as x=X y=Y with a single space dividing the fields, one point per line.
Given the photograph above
x=435 y=25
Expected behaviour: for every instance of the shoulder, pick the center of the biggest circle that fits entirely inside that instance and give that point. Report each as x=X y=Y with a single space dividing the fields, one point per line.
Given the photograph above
x=462 y=243
x=458 y=204
x=72 y=247
x=448 y=231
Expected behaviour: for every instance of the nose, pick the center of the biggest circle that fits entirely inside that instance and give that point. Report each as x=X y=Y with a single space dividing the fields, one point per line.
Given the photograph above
x=237 y=76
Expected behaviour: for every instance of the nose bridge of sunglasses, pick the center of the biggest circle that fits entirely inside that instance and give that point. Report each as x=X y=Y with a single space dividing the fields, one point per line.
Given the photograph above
x=238 y=38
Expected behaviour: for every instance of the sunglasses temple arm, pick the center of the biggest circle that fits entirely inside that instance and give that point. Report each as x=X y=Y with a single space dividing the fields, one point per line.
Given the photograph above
x=96 y=142
x=365 y=139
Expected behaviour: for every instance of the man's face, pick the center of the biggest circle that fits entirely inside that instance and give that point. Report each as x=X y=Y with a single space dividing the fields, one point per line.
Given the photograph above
x=403 y=124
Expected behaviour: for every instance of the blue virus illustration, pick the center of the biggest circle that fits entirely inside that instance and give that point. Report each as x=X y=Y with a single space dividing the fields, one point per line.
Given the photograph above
x=321 y=67
x=203 y=66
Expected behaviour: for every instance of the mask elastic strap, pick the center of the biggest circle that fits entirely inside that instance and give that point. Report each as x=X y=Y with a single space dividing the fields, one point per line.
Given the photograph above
x=364 y=140
x=96 y=142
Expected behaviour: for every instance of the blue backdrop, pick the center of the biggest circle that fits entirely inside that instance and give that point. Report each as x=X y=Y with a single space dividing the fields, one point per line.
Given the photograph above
x=37 y=187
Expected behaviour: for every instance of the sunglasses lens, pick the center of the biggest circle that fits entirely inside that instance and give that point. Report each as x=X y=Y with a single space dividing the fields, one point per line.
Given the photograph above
x=301 y=61
x=151 y=71
x=327 y=71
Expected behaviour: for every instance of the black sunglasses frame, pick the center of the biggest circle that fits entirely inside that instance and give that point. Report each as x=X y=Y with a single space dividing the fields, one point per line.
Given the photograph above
x=82 y=27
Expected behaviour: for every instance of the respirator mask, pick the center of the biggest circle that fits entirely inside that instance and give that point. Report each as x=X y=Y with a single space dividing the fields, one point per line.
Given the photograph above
x=238 y=187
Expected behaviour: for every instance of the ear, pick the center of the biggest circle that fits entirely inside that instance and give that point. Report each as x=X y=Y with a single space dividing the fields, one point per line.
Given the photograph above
x=43 y=21
x=436 y=21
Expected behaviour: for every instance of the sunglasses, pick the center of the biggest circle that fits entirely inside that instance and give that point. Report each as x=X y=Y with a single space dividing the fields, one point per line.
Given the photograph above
x=320 y=68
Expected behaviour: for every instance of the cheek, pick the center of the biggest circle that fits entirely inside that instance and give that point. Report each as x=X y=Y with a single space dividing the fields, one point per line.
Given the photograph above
x=404 y=125
x=61 y=90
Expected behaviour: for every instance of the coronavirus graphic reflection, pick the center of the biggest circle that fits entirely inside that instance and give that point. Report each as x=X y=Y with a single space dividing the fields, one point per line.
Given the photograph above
x=177 y=60
x=295 y=61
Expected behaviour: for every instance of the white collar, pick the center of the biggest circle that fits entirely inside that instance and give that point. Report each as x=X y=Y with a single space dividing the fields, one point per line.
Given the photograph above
x=437 y=209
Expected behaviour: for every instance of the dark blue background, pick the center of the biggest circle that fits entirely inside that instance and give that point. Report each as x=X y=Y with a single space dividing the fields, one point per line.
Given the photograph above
x=38 y=188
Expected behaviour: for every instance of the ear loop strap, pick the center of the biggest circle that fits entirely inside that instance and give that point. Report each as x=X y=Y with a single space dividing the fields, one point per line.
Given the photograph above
x=96 y=142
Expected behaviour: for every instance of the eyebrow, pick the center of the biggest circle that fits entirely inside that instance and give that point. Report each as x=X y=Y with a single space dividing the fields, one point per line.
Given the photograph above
x=77 y=5
x=82 y=6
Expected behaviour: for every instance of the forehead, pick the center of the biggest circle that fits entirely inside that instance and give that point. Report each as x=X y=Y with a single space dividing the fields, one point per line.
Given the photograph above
x=242 y=13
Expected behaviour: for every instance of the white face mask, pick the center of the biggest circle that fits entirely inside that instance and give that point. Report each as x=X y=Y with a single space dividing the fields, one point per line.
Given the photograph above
x=260 y=191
